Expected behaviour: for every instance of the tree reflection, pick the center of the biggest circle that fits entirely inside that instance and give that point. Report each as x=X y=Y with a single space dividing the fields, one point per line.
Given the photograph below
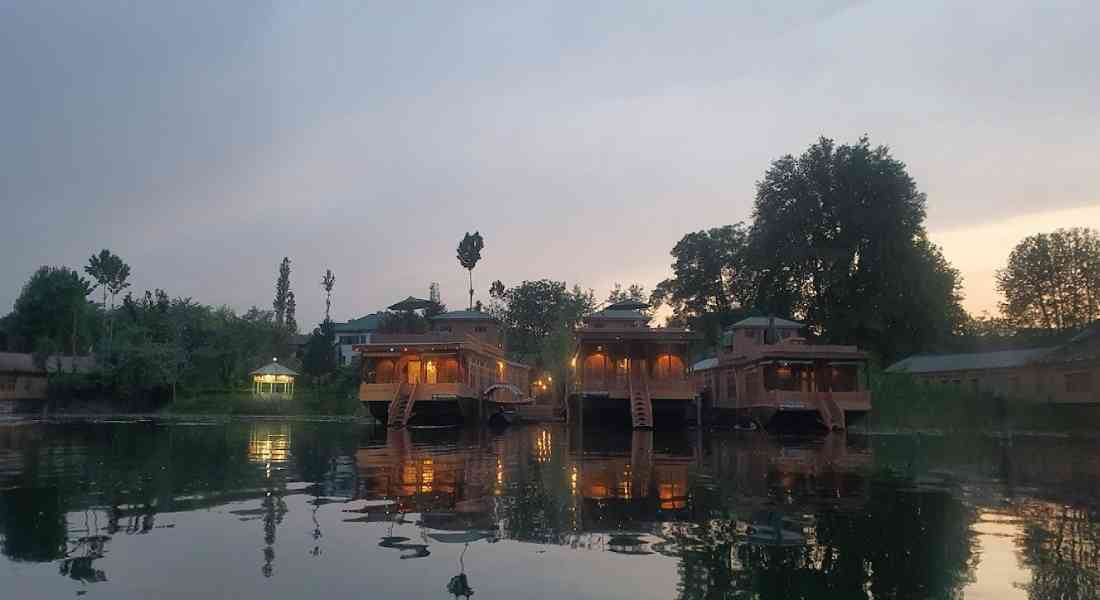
x=33 y=523
x=1061 y=547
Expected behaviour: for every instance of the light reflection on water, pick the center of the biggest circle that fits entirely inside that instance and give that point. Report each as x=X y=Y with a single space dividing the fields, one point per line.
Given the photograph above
x=282 y=509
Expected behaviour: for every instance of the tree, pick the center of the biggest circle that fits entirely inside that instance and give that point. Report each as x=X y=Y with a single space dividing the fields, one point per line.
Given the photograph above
x=291 y=309
x=838 y=240
x=111 y=274
x=320 y=355
x=328 y=280
x=436 y=307
x=711 y=282
x=533 y=310
x=282 y=289
x=469 y=253
x=1052 y=280
x=634 y=293
x=52 y=309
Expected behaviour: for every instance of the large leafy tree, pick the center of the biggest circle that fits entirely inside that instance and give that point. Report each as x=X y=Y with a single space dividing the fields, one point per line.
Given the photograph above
x=538 y=318
x=711 y=280
x=52 y=311
x=838 y=240
x=1052 y=280
x=469 y=254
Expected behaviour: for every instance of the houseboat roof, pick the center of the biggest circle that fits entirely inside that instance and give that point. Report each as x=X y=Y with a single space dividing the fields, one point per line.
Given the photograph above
x=365 y=323
x=706 y=364
x=786 y=351
x=17 y=362
x=753 y=322
x=274 y=369
x=627 y=305
x=463 y=315
x=411 y=303
x=618 y=314
x=935 y=363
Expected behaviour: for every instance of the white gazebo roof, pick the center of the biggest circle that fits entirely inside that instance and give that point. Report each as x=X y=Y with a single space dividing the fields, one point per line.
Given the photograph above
x=275 y=369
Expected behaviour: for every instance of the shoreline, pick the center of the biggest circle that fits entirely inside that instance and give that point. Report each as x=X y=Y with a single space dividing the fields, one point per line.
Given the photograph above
x=218 y=419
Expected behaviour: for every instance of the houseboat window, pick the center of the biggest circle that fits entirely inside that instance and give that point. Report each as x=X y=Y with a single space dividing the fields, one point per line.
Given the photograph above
x=450 y=370
x=668 y=366
x=480 y=329
x=1079 y=382
x=752 y=384
x=412 y=370
x=430 y=373
x=500 y=371
x=594 y=368
x=731 y=385
x=384 y=371
x=781 y=377
x=844 y=378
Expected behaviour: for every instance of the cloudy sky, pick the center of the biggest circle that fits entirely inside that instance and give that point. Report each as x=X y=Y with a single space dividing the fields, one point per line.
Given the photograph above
x=205 y=141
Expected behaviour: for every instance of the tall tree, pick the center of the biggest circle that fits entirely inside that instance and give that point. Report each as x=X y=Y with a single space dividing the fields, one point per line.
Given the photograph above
x=469 y=253
x=1052 y=280
x=328 y=281
x=282 y=290
x=99 y=269
x=52 y=310
x=291 y=309
x=112 y=275
x=711 y=281
x=436 y=307
x=838 y=240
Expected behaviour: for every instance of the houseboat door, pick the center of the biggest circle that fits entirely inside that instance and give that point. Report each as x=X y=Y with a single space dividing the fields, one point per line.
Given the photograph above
x=413 y=373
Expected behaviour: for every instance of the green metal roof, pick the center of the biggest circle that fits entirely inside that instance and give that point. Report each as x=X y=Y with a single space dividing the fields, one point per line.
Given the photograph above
x=463 y=315
x=362 y=324
x=765 y=322
x=935 y=363
x=625 y=315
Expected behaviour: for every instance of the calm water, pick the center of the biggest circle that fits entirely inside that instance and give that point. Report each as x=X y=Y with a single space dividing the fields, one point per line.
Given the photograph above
x=290 y=510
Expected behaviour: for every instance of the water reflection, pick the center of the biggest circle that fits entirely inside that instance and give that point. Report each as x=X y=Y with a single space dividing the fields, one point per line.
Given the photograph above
x=731 y=515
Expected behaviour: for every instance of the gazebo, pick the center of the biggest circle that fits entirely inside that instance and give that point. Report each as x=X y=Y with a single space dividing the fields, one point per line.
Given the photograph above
x=273 y=380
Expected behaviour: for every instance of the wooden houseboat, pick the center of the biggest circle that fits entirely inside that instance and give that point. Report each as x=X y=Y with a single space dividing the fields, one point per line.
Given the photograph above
x=456 y=372
x=627 y=372
x=767 y=374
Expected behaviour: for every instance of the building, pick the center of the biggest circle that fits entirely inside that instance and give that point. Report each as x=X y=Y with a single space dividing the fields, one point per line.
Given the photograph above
x=628 y=372
x=354 y=332
x=455 y=373
x=766 y=373
x=24 y=385
x=273 y=380
x=1065 y=374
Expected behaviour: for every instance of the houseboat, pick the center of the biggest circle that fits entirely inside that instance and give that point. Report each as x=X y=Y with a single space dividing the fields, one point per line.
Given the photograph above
x=626 y=372
x=768 y=375
x=456 y=372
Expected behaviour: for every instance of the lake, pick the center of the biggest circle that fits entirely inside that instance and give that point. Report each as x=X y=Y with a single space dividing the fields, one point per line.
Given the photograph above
x=292 y=509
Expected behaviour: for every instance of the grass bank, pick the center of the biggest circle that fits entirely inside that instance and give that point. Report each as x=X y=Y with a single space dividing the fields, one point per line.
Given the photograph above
x=904 y=404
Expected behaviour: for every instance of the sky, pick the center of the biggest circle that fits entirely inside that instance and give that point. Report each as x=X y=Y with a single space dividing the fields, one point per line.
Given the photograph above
x=203 y=141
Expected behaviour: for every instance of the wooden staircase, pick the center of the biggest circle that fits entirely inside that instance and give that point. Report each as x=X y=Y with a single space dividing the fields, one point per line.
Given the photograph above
x=831 y=413
x=641 y=405
x=401 y=406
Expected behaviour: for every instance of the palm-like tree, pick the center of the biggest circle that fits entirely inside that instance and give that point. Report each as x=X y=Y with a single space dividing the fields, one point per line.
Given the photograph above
x=469 y=253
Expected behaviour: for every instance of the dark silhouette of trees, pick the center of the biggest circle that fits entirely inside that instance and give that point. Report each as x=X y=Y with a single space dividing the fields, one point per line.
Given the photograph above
x=53 y=313
x=291 y=310
x=712 y=281
x=282 y=291
x=469 y=253
x=1052 y=280
x=328 y=281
